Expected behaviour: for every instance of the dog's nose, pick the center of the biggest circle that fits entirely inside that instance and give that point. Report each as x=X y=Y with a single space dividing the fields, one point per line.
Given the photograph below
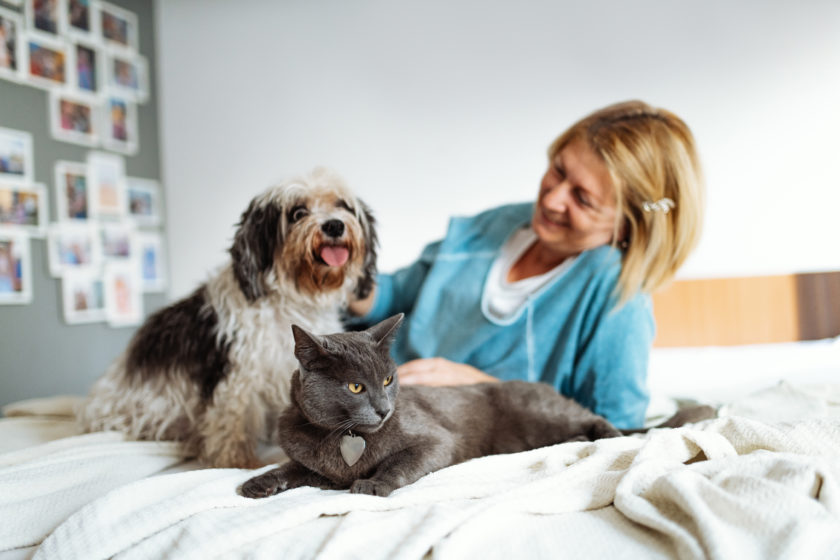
x=333 y=228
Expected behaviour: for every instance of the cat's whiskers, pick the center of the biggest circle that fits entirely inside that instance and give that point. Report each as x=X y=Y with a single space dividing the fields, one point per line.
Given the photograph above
x=340 y=429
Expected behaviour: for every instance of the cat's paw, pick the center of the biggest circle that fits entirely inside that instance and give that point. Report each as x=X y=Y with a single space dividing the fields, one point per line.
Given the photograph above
x=372 y=487
x=263 y=486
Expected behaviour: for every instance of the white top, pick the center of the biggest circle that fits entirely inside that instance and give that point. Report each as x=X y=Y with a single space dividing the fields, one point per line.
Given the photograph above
x=502 y=300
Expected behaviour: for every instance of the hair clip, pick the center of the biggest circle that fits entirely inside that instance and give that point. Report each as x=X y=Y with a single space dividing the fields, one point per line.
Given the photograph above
x=663 y=205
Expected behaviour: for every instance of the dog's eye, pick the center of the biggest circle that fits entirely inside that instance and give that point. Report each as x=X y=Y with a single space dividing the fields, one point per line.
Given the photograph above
x=343 y=204
x=388 y=380
x=355 y=388
x=297 y=213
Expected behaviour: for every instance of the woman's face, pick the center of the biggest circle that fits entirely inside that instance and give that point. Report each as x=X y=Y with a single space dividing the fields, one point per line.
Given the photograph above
x=576 y=206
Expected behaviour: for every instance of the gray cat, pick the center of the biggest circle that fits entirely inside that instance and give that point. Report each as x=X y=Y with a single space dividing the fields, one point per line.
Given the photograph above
x=347 y=428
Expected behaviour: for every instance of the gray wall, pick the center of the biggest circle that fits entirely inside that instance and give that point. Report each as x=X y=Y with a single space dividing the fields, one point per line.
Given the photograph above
x=40 y=355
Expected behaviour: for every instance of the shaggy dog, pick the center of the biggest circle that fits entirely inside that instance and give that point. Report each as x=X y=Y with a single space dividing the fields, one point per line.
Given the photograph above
x=212 y=370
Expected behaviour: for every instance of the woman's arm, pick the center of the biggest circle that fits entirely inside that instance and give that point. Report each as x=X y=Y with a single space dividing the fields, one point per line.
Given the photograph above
x=397 y=292
x=610 y=377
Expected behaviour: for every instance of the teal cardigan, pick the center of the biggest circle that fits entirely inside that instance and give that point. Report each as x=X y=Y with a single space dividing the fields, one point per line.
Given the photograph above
x=569 y=334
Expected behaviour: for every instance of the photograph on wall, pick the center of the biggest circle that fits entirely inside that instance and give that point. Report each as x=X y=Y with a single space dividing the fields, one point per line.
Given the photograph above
x=47 y=62
x=83 y=296
x=143 y=201
x=15 y=268
x=127 y=76
x=106 y=185
x=119 y=27
x=123 y=295
x=72 y=246
x=74 y=119
x=120 y=126
x=15 y=156
x=117 y=241
x=85 y=63
x=82 y=19
x=11 y=39
x=71 y=191
x=152 y=261
x=45 y=16
x=24 y=207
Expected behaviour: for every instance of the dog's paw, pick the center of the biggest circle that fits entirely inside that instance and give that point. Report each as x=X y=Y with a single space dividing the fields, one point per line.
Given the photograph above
x=372 y=487
x=232 y=458
x=263 y=486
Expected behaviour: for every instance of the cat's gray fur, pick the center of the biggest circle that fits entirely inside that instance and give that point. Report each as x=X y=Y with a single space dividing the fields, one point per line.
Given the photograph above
x=407 y=437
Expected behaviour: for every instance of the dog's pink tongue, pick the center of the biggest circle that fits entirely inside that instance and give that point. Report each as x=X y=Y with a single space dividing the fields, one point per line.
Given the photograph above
x=335 y=256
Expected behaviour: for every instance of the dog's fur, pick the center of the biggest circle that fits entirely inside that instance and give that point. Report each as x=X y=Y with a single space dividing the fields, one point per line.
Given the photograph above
x=212 y=370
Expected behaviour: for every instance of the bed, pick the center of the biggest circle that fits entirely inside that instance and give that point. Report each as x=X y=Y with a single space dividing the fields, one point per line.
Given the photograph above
x=762 y=480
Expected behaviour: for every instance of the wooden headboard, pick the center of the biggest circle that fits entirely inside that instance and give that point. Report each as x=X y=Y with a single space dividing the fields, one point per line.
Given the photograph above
x=750 y=310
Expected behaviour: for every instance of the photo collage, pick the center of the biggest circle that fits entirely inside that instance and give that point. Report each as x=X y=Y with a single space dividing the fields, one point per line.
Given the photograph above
x=105 y=243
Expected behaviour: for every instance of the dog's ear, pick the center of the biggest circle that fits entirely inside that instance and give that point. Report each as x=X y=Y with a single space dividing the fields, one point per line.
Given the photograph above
x=257 y=238
x=368 y=277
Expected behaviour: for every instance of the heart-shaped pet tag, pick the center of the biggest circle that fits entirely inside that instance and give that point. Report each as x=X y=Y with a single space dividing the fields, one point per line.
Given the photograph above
x=352 y=448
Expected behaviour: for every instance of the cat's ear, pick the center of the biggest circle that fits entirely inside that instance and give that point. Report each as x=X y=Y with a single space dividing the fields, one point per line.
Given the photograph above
x=383 y=332
x=308 y=348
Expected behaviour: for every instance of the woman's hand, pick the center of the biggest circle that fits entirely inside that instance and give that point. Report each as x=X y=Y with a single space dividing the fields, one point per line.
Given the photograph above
x=359 y=307
x=440 y=371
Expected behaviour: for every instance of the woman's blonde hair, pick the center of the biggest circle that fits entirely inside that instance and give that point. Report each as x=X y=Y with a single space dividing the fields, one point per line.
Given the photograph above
x=651 y=156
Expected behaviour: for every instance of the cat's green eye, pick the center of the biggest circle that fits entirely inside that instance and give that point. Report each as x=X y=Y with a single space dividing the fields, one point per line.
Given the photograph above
x=388 y=380
x=355 y=388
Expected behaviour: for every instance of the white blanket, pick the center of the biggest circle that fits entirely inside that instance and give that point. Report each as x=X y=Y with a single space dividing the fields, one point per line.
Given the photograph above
x=728 y=488
x=763 y=491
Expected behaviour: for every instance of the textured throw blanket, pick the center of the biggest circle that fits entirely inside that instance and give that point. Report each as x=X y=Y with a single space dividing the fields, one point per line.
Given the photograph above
x=726 y=488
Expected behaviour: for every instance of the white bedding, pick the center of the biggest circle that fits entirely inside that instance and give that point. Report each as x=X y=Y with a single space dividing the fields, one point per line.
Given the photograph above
x=764 y=490
x=724 y=374
x=762 y=481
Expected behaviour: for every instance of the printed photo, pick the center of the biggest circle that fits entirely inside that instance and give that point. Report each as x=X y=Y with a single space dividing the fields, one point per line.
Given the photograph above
x=72 y=246
x=44 y=16
x=15 y=156
x=128 y=77
x=120 y=128
x=24 y=207
x=82 y=19
x=71 y=191
x=117 y=241
x=119 y=27
x=123 y=296
x=143 y=201
x=152 y=261
x=83 y=295
x=106 y=184
x=47 y=63
x=11 y=35
x=85 y=64
x=74 y=119
x=15 y=268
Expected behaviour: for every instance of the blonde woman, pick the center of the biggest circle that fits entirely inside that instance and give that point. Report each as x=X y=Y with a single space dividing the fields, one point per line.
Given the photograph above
x=558 y=290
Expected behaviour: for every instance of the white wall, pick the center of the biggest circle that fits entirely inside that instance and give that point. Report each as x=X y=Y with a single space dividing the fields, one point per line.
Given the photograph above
x=437 y=107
